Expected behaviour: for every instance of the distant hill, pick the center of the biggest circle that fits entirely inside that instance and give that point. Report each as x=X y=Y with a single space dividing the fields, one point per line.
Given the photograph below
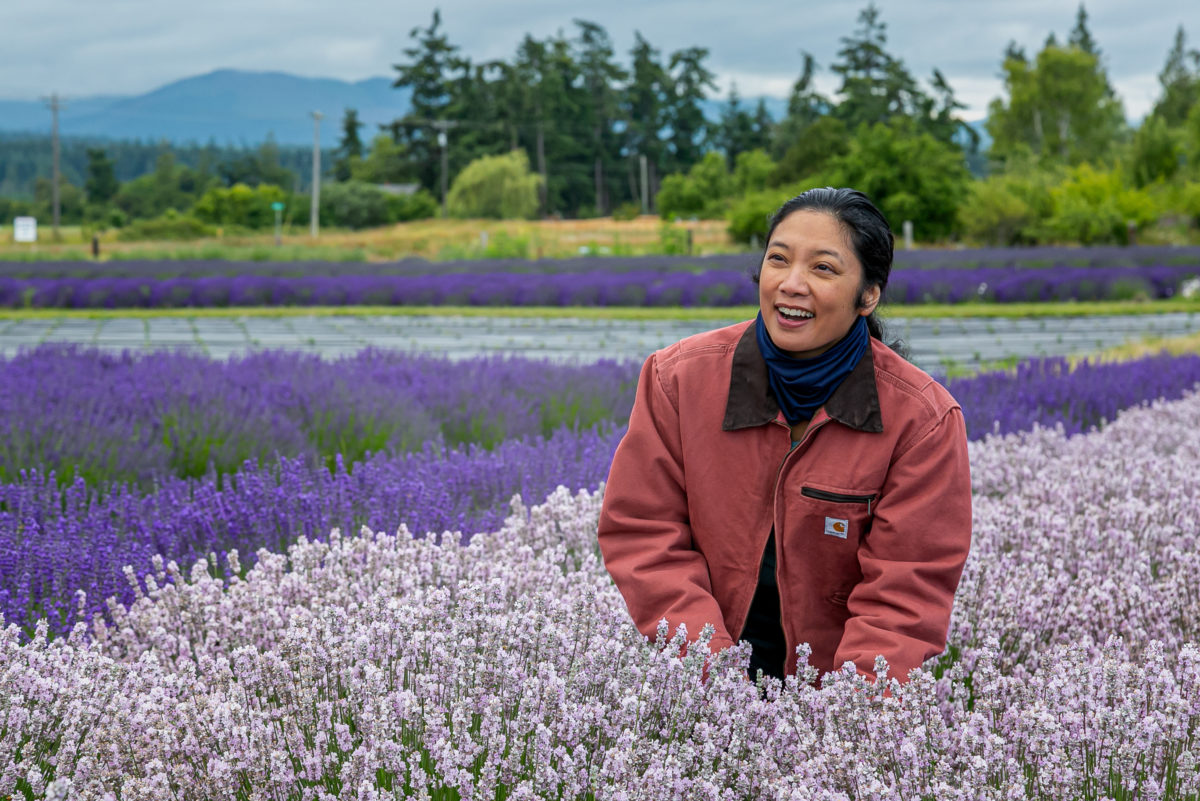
x=240 y=108
x=229 y=107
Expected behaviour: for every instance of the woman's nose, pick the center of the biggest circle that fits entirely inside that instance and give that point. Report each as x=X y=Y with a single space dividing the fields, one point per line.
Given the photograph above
x=795 y=282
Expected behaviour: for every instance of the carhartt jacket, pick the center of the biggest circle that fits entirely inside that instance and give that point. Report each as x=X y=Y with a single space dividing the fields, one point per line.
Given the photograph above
x=872 y=510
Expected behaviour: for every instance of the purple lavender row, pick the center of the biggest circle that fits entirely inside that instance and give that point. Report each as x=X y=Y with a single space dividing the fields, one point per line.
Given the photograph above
x=631 y=288
x=959 y=258
x=638 y=288
x=142 y=417
x=55 y=541
x=1048 y=392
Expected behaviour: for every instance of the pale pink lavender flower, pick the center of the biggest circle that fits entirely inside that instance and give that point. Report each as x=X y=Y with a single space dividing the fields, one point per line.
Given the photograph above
x=393 y=666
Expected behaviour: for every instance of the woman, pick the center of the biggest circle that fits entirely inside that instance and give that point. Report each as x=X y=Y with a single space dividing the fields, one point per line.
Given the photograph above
x=792 y=479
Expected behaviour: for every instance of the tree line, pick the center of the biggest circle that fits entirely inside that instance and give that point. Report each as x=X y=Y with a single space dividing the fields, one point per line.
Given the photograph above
x=588 y=121
x=565 y=127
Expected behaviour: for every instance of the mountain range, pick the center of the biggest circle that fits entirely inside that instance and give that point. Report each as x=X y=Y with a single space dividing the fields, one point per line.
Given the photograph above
x=229 y=107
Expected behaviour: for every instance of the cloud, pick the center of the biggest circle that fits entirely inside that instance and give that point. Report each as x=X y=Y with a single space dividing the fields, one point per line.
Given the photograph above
x=128 y=46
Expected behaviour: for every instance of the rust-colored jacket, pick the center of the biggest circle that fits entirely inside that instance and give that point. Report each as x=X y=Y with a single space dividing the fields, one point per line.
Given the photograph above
x=872 y=510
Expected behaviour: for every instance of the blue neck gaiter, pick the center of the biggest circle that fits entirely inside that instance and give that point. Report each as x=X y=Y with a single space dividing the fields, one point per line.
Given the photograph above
x=802 y=385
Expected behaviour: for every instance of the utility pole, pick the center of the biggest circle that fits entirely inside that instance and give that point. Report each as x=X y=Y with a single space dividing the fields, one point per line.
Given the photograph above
x=315 y=211
x=441 y=126
x=645 y=184
x=55 y=103
x=543 y=191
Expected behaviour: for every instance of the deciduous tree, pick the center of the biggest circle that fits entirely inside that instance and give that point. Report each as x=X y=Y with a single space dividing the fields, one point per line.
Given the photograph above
x=1060 y=108
x=500 y=187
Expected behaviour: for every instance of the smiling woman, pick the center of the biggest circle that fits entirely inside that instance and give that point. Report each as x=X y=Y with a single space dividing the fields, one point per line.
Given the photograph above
x=792 y=481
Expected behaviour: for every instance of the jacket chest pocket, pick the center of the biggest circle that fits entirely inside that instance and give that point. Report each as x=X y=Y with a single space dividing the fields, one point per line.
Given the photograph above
x=838 y=497
x=828 y=518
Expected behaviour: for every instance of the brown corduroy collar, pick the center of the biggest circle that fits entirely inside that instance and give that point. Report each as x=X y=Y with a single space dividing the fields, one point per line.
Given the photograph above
x=751 y=403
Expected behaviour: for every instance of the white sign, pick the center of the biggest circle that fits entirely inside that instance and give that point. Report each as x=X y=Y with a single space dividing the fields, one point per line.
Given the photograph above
x=24 y=229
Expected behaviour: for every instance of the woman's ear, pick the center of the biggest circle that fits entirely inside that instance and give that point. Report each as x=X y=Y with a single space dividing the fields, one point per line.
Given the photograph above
x=868 y=300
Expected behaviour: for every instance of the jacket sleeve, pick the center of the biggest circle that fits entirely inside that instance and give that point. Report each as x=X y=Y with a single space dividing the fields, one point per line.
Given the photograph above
x=913 y=556
x=645 y=533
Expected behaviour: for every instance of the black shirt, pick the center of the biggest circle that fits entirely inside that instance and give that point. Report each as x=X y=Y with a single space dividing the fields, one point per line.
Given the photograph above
x=764 y=627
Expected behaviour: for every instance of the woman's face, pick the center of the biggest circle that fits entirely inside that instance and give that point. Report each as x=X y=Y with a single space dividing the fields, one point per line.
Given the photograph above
x=810 y=283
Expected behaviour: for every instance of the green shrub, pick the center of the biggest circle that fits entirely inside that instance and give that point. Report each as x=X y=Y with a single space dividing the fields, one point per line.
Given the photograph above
x=703 y=192
x=10 y=208
x=502 y=245
x=672 y=240
x=354 y=204
x=1006 y=209
x=1094 y=207
x=749 y=215
x=420 y=205
x=496 y=187
x=171 y=225
x=249 y=207
x=753 y=171
x=626 y=212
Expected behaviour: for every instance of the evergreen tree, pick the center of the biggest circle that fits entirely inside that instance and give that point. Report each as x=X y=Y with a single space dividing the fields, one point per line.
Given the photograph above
x=644 y=106
x=255 y=169
x=875 y=86
x=552 y=104
x=805 y=107
x=1080 y=36
x=690 y=80
x=478 y=128
x=763 y=127
x=736 y=133
x=939 y=115
x=599 y=76
x=431 y=62
x=101 y=183
x=350 y=148
x=1180 y=80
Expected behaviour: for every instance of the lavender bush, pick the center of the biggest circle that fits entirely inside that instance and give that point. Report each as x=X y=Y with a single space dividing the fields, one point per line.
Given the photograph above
x=142 y=417
x=380 y=666
x=1048 y=257
x=715 y=287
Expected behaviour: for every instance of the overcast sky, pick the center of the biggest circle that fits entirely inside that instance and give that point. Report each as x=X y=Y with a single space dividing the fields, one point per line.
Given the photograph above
x=84 y=47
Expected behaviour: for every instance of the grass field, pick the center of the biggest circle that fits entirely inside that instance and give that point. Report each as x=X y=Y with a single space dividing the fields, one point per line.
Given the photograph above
x=430 y=239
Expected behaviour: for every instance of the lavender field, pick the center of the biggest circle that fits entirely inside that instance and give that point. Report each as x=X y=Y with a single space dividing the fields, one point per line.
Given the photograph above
x=181 y=622
x=996 y=275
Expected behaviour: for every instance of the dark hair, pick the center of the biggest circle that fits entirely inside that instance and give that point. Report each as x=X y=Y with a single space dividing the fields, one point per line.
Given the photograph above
x=868 y=230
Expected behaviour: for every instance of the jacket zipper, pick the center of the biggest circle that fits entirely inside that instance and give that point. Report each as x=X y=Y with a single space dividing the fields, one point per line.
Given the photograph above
x=774 y=509
x=837 y=497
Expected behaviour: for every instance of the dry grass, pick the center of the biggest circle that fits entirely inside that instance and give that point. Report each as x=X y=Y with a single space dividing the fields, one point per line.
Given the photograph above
x=1175 y=346
x=430 y=239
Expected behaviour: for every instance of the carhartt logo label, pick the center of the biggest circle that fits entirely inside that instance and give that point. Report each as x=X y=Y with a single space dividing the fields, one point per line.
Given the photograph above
x=836 y=527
